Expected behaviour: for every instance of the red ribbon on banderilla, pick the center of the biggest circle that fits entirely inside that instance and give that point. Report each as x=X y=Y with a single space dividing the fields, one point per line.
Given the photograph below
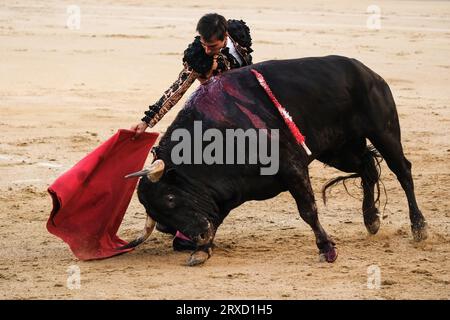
x=283 y=112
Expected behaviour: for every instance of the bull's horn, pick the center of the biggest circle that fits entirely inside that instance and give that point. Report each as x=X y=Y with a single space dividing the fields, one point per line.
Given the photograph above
x=137 y=174
x=154 y=172
x=149 y=226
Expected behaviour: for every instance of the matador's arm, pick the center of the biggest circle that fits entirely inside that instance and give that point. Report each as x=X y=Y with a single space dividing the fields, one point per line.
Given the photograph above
x=171 y=96
x=197 y=65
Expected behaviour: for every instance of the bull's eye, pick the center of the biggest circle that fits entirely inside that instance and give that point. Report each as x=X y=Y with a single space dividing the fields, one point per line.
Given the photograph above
x=170 y=200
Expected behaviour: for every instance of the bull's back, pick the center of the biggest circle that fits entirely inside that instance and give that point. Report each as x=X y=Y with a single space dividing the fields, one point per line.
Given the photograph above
x=326 y=96
x=323 y=84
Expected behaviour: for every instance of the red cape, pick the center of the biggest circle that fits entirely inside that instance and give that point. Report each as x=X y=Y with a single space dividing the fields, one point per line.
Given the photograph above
x=90 y=200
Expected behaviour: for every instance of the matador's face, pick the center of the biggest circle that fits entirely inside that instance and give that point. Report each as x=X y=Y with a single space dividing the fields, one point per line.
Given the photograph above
x=213 y=46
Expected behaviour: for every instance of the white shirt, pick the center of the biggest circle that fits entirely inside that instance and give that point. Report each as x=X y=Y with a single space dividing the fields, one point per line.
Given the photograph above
x=233 y=51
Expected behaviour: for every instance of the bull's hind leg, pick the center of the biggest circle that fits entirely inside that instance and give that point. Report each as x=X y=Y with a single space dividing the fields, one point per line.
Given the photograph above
x=390 y=147
x=357 y=158
x=369 y=178
x=299 y=186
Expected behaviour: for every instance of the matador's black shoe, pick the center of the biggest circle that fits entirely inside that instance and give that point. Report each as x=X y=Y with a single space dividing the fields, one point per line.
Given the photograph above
x=183 y=245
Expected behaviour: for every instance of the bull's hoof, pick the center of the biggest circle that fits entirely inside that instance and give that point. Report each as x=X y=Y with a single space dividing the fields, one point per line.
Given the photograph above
x=420 y=232
x=198 y=257
x=374 y=226
x=328 y=256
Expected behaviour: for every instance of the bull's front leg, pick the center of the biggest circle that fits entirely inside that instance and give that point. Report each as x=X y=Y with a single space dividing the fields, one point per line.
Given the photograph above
x=299 y=186
x=204 y=246
x=200 y=255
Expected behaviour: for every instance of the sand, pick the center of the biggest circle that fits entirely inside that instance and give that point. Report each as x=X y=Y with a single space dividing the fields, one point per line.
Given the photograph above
x=63 y=92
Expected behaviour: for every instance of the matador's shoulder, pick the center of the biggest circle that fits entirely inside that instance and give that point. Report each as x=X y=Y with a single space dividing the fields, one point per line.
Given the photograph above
x=240 y=33
x=196 y=57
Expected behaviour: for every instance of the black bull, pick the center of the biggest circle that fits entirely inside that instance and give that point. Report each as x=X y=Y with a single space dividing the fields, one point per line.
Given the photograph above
x=337 y=102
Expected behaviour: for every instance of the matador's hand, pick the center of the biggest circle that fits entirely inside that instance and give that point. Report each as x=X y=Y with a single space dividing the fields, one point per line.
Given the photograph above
x=139 y=129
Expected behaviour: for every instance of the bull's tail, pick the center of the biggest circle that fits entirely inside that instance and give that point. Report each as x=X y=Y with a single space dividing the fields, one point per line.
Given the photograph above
x=371 y=153
x=334 y=181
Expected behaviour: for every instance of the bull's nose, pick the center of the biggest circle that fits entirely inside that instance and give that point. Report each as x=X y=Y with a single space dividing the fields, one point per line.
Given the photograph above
x=205 y=237
x=202 y=239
